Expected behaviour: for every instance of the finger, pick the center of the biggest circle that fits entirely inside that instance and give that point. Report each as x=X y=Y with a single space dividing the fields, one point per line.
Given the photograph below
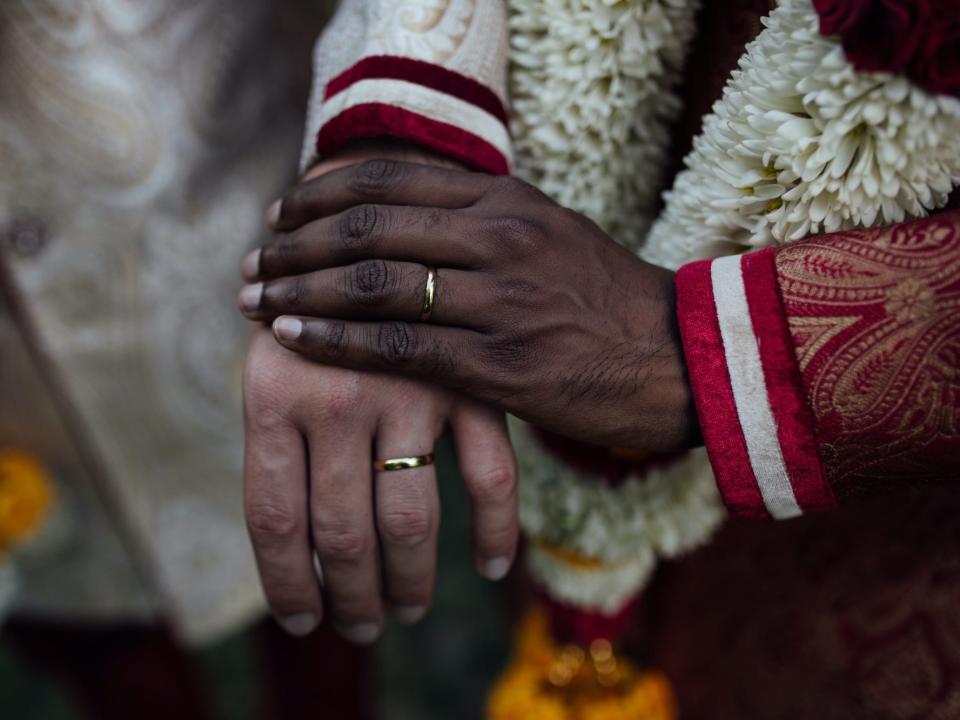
x=370 y=290
x=408 y=513
x=378 y=181
x=428 y=235
x=275 y=500
x=489 y=471
x=444 y=355
x=342 y=527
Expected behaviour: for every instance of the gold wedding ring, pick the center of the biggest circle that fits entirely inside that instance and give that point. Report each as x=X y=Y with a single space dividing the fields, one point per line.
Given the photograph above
x=429 y=295
x=403 y=463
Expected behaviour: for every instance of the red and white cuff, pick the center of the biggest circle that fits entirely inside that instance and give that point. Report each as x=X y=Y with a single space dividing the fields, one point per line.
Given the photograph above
x=418 y=101
x=757 y=425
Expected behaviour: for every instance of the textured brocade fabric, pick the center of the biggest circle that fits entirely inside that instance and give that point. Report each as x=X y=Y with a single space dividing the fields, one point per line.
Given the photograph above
x=831 y=616
x=875 y=318
x=145 y=137
x=365 y=84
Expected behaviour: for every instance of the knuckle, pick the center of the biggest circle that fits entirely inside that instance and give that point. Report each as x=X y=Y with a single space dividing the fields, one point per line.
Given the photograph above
x=290 y=292
x=374 y=177
x=515 y=232
x=511 y=185
x=271 y=523
x=494 y=485
x=280 y=254
x=407 y=527
x=338 y=540
x=341 y=405
x=507 y=352
x=332 y=341
x=558 y=216
x=260 y=390
x=265 y=397
x=432 y=220
x=298 y=198
x=517 y=291
x=395 y=343
x=359 y=226
x=369 y=282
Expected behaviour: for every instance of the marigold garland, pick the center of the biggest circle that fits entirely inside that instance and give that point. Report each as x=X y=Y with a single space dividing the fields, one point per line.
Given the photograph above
x=548 y=681
x=26 y=498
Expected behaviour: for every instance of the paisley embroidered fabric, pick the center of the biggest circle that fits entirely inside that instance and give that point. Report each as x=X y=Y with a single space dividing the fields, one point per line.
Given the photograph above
x=875 y=320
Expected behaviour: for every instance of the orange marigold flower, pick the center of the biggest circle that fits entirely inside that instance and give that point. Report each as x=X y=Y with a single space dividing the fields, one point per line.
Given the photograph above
x=26 y=496
x=551 y=682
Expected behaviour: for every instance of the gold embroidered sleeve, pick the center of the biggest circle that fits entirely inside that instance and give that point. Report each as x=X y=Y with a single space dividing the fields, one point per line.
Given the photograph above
x=875 y=320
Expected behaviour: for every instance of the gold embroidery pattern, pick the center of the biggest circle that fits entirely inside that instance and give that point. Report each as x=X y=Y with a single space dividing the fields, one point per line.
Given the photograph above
x=875 y=319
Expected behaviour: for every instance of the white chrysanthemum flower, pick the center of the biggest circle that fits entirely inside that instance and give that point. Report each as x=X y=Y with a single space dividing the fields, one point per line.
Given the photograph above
x=801 y=143
x=605 y=588
x=590 y=86
x=591 y=94
x=671 y=510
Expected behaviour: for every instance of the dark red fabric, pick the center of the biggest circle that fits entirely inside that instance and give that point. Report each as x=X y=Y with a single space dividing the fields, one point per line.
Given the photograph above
x=845 y=615
x=829 y=616
x=318 y=676
x=785 y=392
x=916 y=38
x=114 y=671
x=602 y=461
x=423 y=73
x=710 y=384
x=874 y=317
x=381 y=120
x=119 y=671
x=572 y=625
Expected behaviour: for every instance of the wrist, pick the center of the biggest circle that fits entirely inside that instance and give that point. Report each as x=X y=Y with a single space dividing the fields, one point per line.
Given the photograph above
x=668 y=416
x=385 y=148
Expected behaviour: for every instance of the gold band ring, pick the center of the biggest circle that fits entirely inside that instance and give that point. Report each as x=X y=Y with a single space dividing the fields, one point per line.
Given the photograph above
x=429 y=295
x=403 y=463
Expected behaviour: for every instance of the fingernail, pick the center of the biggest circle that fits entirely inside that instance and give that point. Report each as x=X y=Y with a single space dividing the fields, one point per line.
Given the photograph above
x=251 y=296
x=250 y=267
x=362 y=634
x=300 y=624
x=287 y=328
x=409 y=614
x=273 y=213
x=497 y=568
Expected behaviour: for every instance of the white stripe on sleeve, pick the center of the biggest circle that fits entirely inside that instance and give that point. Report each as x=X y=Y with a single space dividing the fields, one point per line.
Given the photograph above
x=749 y=388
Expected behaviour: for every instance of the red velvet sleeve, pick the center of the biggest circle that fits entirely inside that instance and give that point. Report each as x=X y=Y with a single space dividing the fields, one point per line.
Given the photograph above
x=829 y=367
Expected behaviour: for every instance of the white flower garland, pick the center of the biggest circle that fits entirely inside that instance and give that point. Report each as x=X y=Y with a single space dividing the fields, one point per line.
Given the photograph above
x=668 y=511
x=605 y=589
x=591 y=87
x=801 y=143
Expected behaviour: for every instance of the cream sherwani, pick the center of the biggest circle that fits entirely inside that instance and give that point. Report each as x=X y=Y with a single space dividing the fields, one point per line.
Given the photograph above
x=140 y=141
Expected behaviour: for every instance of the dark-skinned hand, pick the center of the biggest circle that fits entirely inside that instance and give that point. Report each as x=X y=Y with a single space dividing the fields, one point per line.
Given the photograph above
x=537 y=311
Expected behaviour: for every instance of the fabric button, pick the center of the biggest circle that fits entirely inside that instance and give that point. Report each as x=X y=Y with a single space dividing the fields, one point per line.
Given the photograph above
x=25 y=236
